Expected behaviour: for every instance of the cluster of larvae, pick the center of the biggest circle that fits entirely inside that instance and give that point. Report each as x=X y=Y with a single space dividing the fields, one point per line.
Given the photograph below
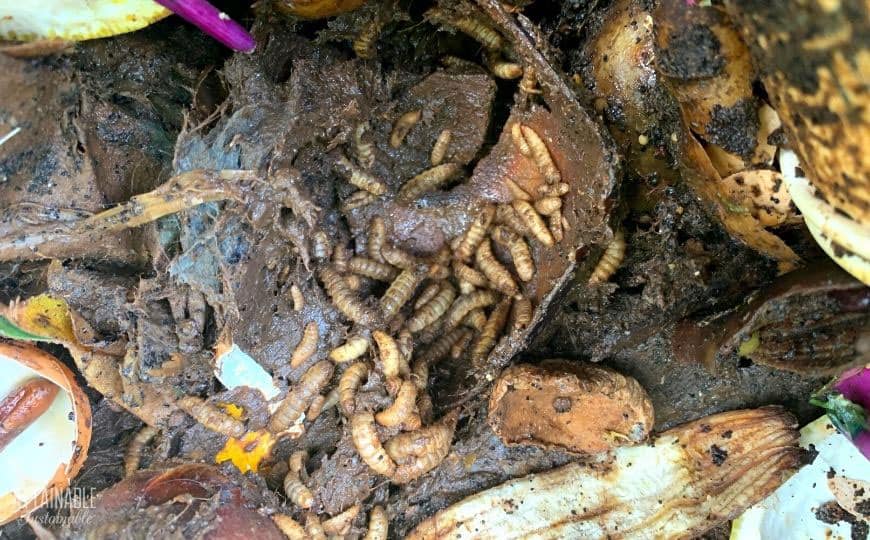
x=336 y=526
x=457 y=303
x=499 y=56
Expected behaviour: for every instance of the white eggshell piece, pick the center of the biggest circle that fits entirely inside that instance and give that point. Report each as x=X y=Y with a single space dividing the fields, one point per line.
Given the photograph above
x=235 y=368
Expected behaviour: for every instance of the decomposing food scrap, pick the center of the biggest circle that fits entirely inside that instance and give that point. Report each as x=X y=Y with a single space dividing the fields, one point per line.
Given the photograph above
x=548 y=406
x=813 y=320
x=818 y=100
x=327 y=267
x=45 y=428
x=691 y=479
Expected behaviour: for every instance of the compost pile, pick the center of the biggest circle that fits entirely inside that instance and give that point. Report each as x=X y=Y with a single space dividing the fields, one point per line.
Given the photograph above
x=373 y=215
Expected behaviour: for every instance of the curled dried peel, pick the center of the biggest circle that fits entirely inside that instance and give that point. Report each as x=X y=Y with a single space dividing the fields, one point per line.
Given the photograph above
x=694 y=476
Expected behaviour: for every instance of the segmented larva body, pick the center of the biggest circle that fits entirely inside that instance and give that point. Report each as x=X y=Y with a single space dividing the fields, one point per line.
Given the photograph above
x=405 y=341
x=558 y=189
x=425 y=407
x=357 y=199
x=492 y=330
x=377 y=235
x=393 y=362
x=365 y=439
x=341 y=258
x=458 y=349
x=433 y=310
x=520 y=141
x=400 y=258
x=541 y=155
x=344 y=299
x=428 y=180
x=399 y=293
x=307 y=345
x=439 y=269
x=507 y=216
x=372 y=269
x=297 y=492
x=441 y=346
x=379 y=524
x=499 y=276
x=465 y=273
x=133 y=455
x=464 y=304
x=420 y=374
x=313 y=381
x=315 y=408
x=211 y=417
x=516 y=191
x=313 y=528
x=401 y=408
x=432 y=444
x=353 y=348
x=321 y=404
x=431 y=332
x=427 y=294
x=450 y=61
x=529 y=82
x=363 y=44
x=354 y=282
x=521 y=254
x=348 y=384
x=474 y=28
x=475 y=234
x=555 y=222
x=339 y=525
x=533 y=222
x=365 y=151
x=321 y=247
x=403 y=125
x=521 y=314
x=610 y=260
x=362 y=179
x=476 y=319
x=439 y=149
x=466 y=288
x=298 y=299
x=504 y=69
x=289 y=527
x=548 y=205
x=296 y=463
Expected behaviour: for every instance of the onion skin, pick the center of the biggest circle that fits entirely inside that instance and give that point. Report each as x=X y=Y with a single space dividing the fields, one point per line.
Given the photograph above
x=213 y=22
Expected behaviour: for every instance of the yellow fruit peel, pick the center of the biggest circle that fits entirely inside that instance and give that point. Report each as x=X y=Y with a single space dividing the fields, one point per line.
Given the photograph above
x=76 y=20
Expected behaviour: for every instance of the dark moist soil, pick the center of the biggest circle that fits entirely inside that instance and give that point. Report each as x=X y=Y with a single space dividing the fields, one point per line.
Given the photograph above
x=103 y=125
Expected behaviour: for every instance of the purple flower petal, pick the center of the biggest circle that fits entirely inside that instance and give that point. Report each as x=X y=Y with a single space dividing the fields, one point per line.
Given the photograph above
x=213 y=22
x=854 y=384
